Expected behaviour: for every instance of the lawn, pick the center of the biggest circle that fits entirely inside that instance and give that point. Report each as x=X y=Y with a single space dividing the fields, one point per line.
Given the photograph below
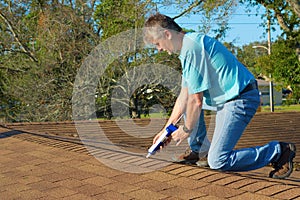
x=282 y=108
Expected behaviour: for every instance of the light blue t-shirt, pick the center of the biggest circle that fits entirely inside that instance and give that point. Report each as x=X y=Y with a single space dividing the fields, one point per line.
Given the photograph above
x=208 y=67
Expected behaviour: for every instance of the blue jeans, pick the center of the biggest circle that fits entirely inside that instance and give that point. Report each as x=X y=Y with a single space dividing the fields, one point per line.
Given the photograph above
x=198 y=140
x=231 y=120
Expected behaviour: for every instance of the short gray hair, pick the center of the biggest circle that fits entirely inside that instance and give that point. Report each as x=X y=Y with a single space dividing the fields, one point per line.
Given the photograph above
x=156 y=24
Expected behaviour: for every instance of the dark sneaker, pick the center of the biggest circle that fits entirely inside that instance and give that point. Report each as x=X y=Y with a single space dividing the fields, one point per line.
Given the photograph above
x=188 y=157
x=284 y=166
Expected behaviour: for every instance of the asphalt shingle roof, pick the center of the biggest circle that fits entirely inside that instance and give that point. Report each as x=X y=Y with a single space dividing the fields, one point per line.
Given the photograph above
x=49 y=161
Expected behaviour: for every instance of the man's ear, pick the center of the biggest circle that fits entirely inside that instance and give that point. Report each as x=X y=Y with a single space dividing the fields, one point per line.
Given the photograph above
x=168 y=34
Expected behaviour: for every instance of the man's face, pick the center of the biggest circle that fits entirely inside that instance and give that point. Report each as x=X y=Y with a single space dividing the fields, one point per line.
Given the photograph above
x=164 y=43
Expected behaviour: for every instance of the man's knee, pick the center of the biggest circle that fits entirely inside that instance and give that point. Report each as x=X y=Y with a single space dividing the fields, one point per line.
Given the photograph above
x=217 y=162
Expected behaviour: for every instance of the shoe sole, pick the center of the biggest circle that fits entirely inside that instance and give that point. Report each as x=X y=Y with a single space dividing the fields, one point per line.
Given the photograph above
x=202 y=164
x=292 y=156
x=185 y=162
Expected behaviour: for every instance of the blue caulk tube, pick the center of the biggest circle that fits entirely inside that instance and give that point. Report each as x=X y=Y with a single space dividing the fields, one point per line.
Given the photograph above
x=156 y=146
x=161 y=140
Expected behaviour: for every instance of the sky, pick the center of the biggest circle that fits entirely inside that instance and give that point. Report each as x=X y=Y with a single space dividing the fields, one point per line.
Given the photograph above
x=244 y=26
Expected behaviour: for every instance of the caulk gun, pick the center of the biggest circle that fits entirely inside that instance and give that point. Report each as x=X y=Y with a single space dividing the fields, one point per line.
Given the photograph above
x=162 y=139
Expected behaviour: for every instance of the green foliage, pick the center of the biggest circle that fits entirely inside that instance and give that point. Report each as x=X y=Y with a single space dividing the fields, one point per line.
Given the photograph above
x=285 y=14
x=43 y=48
x=285 y=66
x=282 y=64
x=114 y=17
x=43 y=43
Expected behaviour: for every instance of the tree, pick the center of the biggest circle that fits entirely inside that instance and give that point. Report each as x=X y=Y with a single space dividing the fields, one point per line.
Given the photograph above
x=287 y=15
x=114 y=17
x=285 y=52
x=283 y=65
x=43 y=45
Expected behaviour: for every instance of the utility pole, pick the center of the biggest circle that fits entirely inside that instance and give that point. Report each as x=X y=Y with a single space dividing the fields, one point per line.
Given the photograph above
x=271 y=91
x=269 y=53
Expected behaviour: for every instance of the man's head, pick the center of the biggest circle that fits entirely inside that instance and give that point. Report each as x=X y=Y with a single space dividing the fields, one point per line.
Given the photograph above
x=160 y=30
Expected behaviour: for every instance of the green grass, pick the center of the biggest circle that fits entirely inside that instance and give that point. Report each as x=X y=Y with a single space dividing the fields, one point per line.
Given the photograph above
x=264 y=109
x=151 y=115
x=155 y=115
x=282 y=108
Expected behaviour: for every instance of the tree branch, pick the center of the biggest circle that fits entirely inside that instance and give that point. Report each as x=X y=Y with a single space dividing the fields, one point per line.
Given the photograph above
x=281 y=21
x=295 y=5
x=10 y=69
x=15 y=35
x=195 y=4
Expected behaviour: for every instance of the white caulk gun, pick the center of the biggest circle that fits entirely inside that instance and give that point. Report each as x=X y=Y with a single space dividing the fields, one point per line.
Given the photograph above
x=162 y=139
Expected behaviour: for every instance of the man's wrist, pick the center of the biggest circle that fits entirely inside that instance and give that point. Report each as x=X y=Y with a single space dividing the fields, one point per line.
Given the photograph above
x=187 y=130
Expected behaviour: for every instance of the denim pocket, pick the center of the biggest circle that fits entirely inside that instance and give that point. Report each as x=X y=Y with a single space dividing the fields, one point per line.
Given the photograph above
x=246 y=109
x=239 y=107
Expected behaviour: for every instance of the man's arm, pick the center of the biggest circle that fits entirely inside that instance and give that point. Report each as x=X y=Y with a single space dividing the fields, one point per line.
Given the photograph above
x=178 y=109
x=193 y=111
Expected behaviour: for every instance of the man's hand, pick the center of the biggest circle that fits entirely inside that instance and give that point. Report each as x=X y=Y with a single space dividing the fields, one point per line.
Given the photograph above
x=165 y=143
x=179 y=135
